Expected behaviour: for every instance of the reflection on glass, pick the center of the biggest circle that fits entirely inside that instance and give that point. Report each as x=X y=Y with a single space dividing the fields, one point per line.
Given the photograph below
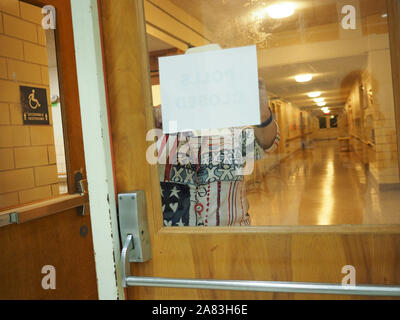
x=322 y=122
x=328 y=80
x=333 y=121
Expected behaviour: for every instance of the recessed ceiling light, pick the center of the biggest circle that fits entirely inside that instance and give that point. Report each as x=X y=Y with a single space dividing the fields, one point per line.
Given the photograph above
x=319 y=100
x=321 y=104
x=304 y=77
x=325 y=110
x=281 y=10
x=314 y=94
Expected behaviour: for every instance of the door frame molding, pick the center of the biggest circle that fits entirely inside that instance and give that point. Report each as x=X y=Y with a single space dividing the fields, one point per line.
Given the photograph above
x=90 y=123
x=98 y=149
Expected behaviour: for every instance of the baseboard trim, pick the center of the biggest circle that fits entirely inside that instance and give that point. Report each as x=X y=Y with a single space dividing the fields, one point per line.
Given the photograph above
x=383 y=186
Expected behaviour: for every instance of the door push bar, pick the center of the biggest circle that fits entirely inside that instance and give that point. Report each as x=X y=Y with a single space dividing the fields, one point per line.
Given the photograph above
x=134 y=229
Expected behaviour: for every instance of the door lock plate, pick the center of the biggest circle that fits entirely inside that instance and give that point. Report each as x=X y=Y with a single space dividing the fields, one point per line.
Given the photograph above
x=133 y=221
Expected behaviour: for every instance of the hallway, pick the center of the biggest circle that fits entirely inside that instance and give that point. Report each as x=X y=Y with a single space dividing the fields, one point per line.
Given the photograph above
x=321 y=186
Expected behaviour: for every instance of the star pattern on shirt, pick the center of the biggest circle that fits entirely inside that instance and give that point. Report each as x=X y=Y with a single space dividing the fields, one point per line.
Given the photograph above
x=174 y=192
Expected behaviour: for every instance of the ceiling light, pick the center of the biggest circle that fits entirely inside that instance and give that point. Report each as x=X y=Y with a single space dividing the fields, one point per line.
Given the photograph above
x=384 y=15
x=281 y=10
x=321 y=104
x=303 y=77
x=319 y=100
x=314 y=94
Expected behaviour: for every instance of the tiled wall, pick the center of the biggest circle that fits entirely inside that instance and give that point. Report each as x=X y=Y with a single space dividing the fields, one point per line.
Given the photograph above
x=381 y=155
x=28 y=170
x=288 y=118
x=331 y=133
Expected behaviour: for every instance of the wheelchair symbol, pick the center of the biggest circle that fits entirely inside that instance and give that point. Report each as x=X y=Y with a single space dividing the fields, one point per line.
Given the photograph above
x=33 y=102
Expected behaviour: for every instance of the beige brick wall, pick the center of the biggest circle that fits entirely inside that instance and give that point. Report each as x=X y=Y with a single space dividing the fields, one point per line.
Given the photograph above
x=290 y=129
x=382 y=156
x=331 y=133
x=28 y=169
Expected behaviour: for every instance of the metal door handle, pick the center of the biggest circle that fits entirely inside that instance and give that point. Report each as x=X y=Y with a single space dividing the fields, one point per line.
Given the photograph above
x=125 y=264
x=134 y=231
x=245 y=285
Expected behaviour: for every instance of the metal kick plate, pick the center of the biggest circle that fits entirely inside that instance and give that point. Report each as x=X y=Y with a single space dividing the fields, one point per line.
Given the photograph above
x=133 y=220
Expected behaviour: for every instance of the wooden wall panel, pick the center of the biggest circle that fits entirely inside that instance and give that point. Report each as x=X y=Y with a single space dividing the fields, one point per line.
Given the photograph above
x=55 y=241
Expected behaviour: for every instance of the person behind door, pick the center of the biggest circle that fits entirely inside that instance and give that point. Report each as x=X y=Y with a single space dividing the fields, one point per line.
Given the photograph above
x=208 y=193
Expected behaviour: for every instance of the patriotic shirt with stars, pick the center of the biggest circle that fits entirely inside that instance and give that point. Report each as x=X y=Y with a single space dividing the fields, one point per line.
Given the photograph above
x=208 y=192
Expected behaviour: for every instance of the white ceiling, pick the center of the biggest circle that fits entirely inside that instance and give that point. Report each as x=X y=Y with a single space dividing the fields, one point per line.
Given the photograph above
x=228 y=20
x=333 y=77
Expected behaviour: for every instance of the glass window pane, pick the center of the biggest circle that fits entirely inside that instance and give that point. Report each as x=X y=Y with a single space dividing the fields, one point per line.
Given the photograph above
x=325 y=73
x=333 y=122
x=322 y=122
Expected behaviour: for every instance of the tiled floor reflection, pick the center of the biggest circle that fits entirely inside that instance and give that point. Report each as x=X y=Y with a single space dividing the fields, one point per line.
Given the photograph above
x=321 y=186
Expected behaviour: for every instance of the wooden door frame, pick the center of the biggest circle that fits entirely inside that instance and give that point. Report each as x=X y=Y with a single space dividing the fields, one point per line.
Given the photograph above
x=98 y=148
x=88 y=126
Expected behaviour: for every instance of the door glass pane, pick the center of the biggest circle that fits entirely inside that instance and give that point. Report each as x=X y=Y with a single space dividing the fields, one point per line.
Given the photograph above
x=333 y=122
x=32 y=156
x=322 y=122
x=325 y=76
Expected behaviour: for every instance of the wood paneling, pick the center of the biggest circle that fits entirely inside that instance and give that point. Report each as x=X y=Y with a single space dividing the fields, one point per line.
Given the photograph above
x=287 y=254
x=56 y=241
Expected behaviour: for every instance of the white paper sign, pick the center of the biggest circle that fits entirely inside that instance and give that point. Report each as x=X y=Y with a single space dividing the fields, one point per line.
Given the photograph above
x=210 y=90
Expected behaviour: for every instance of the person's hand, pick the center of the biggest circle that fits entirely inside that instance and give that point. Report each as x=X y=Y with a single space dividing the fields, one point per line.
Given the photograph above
x=265 y=136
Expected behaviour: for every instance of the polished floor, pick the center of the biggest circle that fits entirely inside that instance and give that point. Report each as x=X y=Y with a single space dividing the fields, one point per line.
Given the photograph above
x=321 y=186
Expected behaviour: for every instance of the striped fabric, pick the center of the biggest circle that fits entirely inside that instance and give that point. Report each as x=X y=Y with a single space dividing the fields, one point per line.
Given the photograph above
x=200 y=185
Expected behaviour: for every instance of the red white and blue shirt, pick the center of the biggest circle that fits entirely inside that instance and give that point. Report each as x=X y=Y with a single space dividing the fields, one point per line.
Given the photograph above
x=202 y=182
